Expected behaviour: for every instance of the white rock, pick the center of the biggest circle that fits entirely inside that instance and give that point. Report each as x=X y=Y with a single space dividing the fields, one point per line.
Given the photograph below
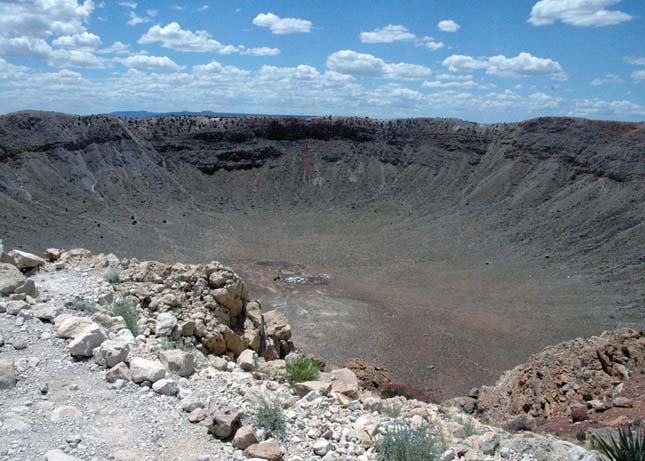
x=166 y=324
x=180 y=362
x=248 y=360
x=113 y=352
x=86 y=340
x=146 y=370
x=322 y=447
x=165 y=387
x=10 y=278
x=7 y=373
x=23 y=260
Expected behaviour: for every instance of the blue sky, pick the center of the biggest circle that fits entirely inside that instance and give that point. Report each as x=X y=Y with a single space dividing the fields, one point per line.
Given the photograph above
x=487 y=61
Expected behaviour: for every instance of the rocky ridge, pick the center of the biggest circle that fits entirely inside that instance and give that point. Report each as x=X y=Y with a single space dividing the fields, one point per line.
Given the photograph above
x=78 y=385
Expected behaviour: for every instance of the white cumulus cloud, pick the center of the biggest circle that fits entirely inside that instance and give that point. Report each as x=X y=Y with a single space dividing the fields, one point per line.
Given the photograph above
x=83 y=41
x=282 y=26
x=143 y=61
x=606 y=79
x=448 y=25
x=639 y=75
x=577 y=13
x=362 y=64
x=524 y=64
x=388 y=34
x=174 y=37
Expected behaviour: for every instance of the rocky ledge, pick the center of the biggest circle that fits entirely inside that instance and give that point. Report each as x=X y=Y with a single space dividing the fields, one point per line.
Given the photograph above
x=107 y=358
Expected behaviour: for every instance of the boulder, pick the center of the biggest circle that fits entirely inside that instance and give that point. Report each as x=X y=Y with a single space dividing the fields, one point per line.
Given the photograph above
x=321 y=447
x=23 y=260
x=118 y=371
x=245 y=437
x=165 y=387
x=10 y=279
x=234 y=343
x=248 y=360
x=269 y=449
x=15 y=307
x=146 y=370
x=225 y=421
x=68 y=326
x=45 y=313
x=53 y=254
x=345 y=382
x=176 y=361
x=7 y=373
x=28 y=288
x=87 y=340
x=277 y=325
x=306 y=387
x=114 y=351
x=166 y=324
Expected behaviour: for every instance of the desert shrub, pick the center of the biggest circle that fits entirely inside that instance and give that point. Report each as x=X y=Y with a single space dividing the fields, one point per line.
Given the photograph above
x=125 y=308
x=469 y=425
x=402 y=443
x=402 y=390
x=113 y=274
x=269 y=415
x=630 y=445
x=84 y=305
x=302 y=369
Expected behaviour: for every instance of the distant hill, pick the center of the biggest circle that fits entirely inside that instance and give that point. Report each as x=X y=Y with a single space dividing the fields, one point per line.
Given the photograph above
x=206 y=113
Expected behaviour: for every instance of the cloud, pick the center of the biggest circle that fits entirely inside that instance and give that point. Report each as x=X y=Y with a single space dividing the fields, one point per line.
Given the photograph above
x=215 y=68
x=174 y=37
x=607 y=78
x=282 y=26
x=41 y=18
x=388 y=34
x=522 y=65
x=135 y=19
x=131 y=5
x=40 y=49
x=84 y=41
x=595 y=106
x=116 y=48
x=366 y=65
x=398 y=33
x=448 y=25
x=261 y=51
x=201 y=9
x=143 y=61
x=465 y=82
x=577 y=13
x=639 y=75
x=634 y=60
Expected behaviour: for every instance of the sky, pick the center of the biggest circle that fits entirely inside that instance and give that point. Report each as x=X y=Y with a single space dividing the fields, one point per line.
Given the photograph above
x=485 y=61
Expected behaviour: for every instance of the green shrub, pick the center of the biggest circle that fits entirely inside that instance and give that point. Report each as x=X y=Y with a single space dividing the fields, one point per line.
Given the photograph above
x=302 y=369
x=113 y=274
x=125 y=308
x=269 y=415
x=630 y=445
x=402 y=443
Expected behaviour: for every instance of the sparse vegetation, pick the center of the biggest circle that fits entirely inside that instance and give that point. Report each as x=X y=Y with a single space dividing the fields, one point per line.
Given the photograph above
x=125 y=308
x=113 y=274
x=403 y=443
x=269 y=415
x=469 y=425
x=302 y=369
x=630 y=445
